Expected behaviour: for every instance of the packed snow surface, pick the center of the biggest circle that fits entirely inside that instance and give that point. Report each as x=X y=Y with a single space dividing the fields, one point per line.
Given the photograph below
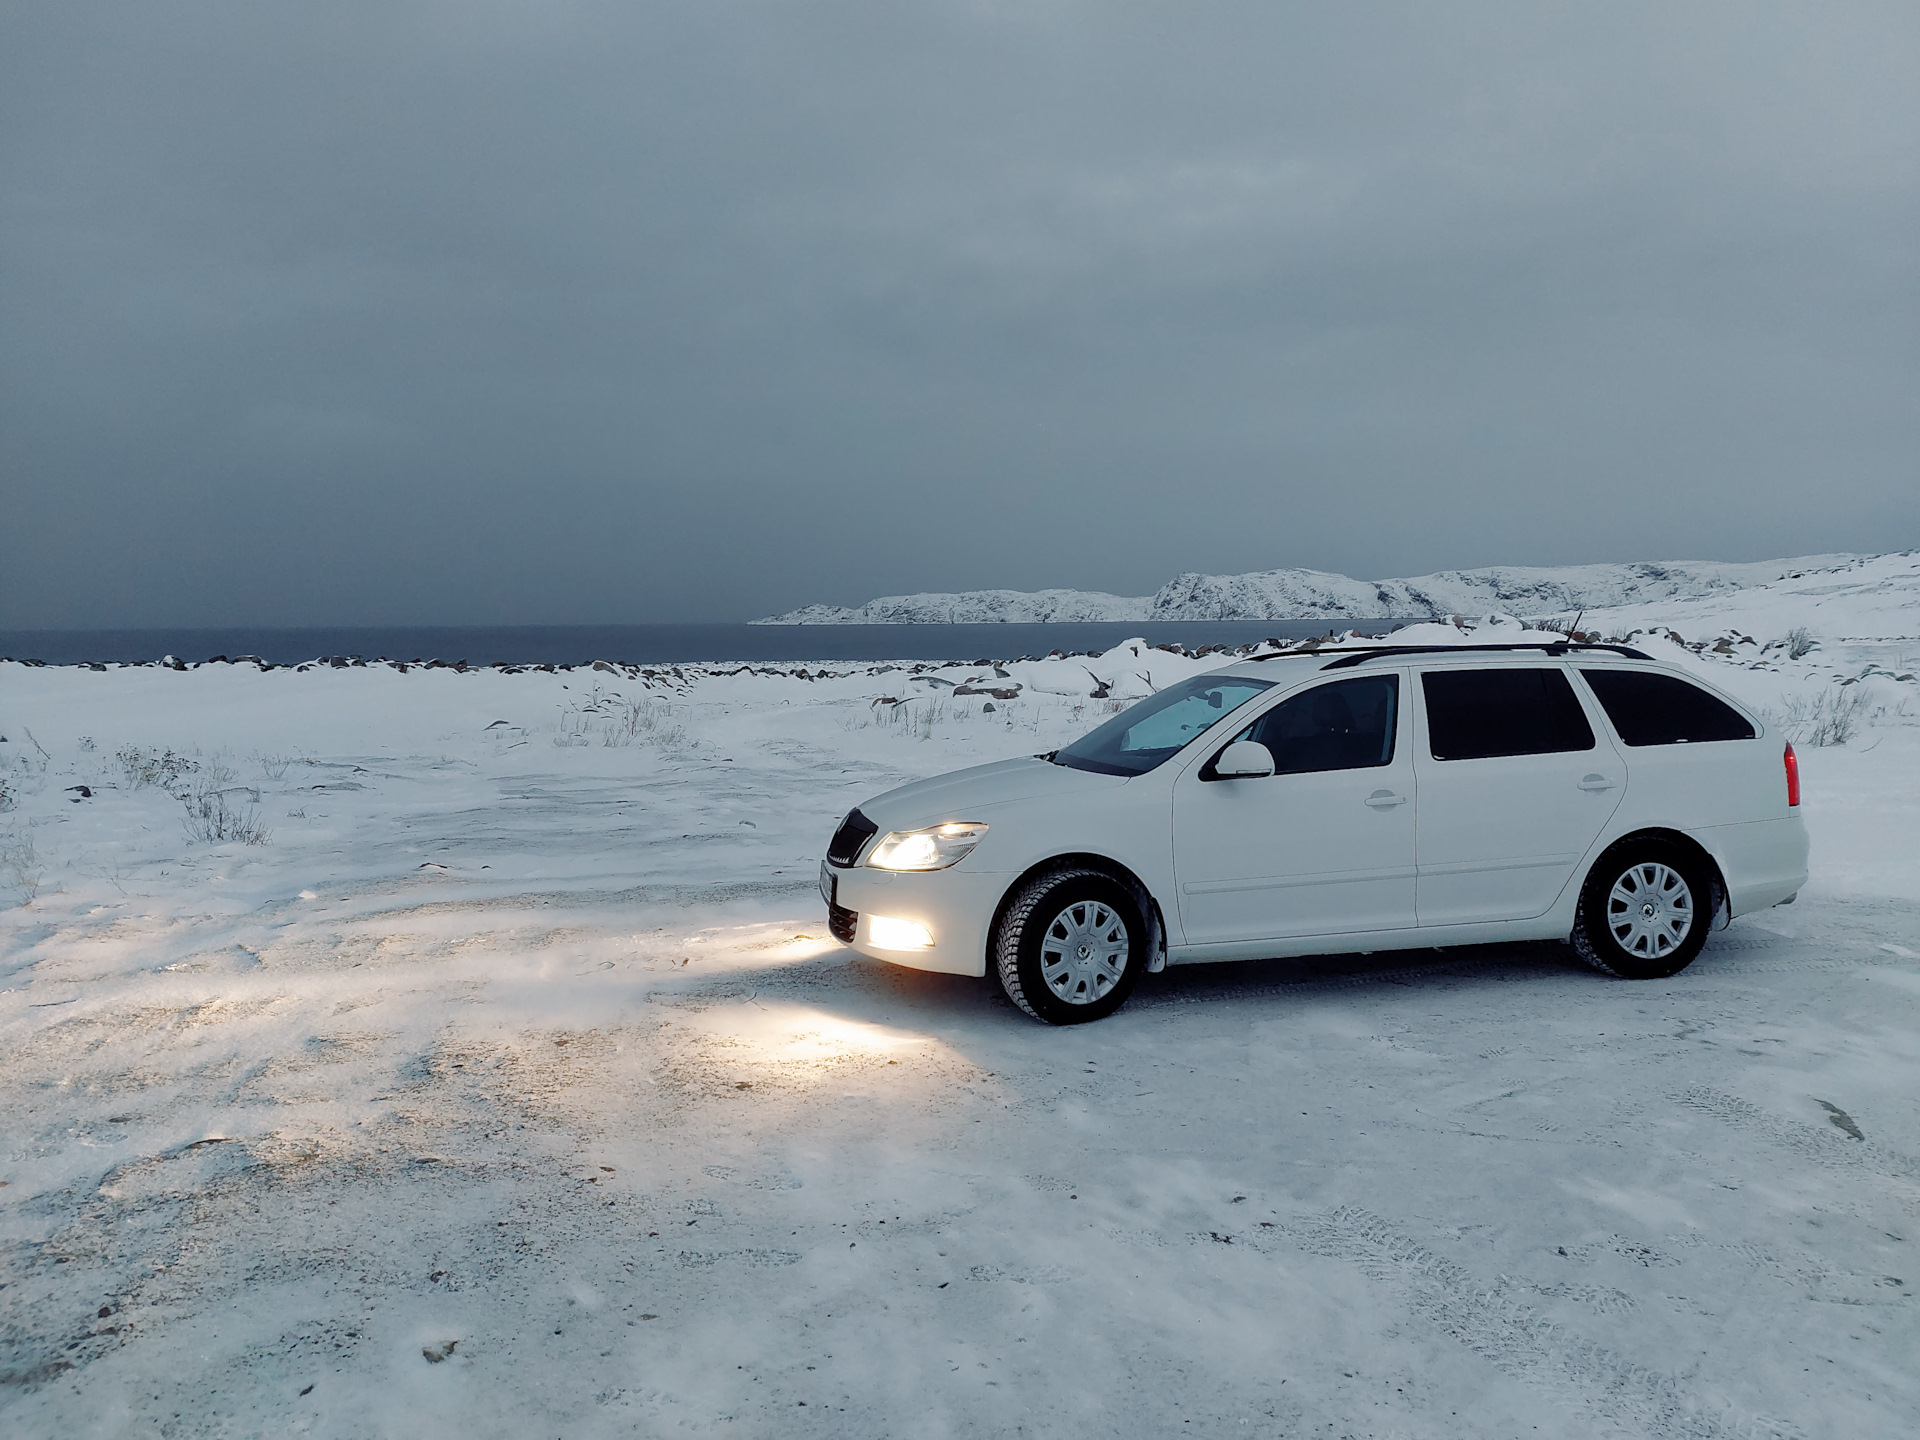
x=513 y=1086
x=1315 y=594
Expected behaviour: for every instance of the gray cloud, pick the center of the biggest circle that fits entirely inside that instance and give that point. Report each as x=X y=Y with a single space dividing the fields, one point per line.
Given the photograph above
x=449 y=313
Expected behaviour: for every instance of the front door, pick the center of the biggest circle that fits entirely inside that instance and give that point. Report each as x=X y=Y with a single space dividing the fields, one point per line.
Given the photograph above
x=1325 y=845
x=1514 y=788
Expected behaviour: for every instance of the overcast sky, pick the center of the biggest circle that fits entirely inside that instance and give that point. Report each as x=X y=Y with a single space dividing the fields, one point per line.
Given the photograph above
x=497 y=311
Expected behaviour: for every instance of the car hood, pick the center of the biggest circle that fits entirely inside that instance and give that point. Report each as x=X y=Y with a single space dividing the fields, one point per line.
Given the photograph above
x=969 y=794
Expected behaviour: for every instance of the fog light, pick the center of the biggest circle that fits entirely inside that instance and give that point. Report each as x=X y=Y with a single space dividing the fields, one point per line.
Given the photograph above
x=886 y=933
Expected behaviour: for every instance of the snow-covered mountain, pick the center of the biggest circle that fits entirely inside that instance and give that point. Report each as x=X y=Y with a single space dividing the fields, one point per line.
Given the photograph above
x=971 y=607
x=1318 y=594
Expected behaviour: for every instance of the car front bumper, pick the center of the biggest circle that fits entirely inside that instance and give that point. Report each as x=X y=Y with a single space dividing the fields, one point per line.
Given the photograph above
x=956 y=906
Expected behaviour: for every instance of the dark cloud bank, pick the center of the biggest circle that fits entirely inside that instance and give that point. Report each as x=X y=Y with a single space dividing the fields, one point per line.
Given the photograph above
x=527 y=312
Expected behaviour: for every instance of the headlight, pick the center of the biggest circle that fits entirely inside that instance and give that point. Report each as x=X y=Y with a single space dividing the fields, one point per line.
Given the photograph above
x=934 y=848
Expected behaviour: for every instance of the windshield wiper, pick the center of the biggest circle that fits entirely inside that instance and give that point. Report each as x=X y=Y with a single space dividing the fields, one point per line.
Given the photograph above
x=1047 y=755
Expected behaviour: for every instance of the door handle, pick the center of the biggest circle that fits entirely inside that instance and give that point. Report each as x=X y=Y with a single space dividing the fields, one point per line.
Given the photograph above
x=1385 y=799
x=1595 y=782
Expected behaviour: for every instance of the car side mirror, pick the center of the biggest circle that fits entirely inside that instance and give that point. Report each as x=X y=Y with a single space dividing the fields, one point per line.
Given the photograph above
x=1244 y=760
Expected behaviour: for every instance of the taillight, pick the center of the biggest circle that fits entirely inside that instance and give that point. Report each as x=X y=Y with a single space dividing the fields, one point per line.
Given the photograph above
x=1793 y=777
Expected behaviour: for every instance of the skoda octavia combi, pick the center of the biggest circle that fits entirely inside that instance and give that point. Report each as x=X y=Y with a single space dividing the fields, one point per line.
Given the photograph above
x=1323 y=803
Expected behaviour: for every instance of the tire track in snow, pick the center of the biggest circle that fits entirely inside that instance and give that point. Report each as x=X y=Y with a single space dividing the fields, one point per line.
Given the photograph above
x=1624 y=1397
x=1808 y=1141
x=1738 y=966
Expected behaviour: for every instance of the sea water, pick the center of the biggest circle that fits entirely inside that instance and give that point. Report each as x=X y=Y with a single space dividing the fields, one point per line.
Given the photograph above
x=652 y=644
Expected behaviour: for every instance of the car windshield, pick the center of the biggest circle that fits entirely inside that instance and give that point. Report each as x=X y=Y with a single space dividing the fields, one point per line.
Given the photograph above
x=1155 y=730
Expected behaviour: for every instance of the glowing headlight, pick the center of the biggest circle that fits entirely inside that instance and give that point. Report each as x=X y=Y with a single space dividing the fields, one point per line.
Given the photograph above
x=934 y=848
x=886 y=933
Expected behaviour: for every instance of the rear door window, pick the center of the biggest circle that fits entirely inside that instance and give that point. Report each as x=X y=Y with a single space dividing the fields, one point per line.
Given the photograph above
x=1664 y=709
x=1347 y=725
x=1478 y=714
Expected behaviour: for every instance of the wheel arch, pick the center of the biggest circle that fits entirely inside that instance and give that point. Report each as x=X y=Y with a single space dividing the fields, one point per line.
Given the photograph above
x=1680 y=840
x=1089 y=860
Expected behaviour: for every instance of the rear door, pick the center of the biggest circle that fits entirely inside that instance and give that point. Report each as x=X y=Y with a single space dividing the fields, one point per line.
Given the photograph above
x=1325 y=845
x=1516 y=782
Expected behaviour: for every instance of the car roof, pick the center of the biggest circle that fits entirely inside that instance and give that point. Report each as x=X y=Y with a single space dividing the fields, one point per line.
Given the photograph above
x=1294 y=666
x=1291 y=669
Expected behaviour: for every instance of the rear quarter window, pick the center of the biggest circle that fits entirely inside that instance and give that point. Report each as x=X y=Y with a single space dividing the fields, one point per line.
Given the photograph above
x=1649 y=709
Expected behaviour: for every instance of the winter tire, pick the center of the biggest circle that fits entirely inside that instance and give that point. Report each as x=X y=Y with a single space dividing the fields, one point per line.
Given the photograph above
x=1070 y=946
x=1644 y=911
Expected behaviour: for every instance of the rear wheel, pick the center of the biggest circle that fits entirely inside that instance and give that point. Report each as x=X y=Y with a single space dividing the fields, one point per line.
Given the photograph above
x=1644 y=912
x=1070 y=946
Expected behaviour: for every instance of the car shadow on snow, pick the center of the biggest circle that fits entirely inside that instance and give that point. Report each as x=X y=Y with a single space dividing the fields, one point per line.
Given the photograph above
x=873 y=991
x=1536 y=961
x=1243 y=980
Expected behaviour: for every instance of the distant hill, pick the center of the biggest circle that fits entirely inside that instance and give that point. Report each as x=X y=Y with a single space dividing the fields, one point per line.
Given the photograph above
x=1318 y=594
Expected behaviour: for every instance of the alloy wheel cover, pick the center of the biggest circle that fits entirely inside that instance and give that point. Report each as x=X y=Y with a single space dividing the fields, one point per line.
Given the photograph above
x=1084 y=952
x=1650 y=910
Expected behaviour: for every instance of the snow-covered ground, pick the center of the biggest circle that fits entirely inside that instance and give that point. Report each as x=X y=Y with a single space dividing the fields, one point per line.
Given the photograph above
x=1319 y=594
x=513 y=1086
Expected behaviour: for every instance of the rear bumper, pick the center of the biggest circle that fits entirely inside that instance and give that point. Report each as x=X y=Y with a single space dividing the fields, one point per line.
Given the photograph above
x=1764 y=862
x=955 y=905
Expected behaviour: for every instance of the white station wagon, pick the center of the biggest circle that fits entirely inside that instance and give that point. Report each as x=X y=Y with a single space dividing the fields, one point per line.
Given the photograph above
x=1359 y=800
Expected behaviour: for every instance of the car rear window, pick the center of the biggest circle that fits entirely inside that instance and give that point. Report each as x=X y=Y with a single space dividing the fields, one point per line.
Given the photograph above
x=1652 y=709
x=1478 y=714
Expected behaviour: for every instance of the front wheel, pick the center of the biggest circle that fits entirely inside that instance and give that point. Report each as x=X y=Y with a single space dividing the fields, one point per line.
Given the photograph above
x=1070 y=946
x=1644 y=912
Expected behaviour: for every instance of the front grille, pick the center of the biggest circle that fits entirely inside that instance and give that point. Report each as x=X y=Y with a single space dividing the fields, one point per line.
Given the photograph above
x=841 y=921
x=854 y=832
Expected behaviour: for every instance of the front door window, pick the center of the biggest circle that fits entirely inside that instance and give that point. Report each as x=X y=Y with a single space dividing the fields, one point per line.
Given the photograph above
x=1348 y=725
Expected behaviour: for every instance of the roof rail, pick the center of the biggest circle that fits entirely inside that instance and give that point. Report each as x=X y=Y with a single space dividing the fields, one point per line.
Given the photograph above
x=1556 y=648
x=1291 y=654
